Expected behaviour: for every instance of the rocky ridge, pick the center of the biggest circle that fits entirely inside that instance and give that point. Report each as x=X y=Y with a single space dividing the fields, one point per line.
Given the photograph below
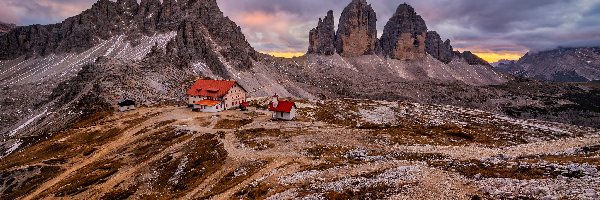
x=560 y=65
x=471 y=58
x=126 y=17
x=441 y=50
x=322 y=38
x=405 y=36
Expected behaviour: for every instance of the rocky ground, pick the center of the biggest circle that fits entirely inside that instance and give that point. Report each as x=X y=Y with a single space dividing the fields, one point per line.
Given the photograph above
x=335 y=149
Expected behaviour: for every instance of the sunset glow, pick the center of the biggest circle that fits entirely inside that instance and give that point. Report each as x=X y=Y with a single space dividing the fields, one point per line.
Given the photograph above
x=285 y=54
x=496 y=56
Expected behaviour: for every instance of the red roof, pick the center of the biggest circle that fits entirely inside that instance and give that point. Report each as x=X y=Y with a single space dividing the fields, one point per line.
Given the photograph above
x=210 y=103
x=211 y=88
x=282 y=106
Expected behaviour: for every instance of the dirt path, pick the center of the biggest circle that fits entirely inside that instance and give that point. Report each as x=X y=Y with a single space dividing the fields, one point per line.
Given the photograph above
x=107 y=148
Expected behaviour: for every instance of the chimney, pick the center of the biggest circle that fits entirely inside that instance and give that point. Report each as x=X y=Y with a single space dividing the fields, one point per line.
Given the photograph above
x=275 y=100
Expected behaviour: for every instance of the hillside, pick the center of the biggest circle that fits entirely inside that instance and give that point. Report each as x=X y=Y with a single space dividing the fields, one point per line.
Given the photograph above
x=336 y=150
x=560 y=65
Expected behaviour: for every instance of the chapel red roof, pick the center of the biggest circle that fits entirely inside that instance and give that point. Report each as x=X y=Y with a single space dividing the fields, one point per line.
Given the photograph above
x=282 y=106
x=211 y=88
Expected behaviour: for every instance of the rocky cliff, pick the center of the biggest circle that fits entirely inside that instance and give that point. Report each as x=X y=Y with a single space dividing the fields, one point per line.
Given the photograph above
x=126 y=17
x=561 y=65
x=404 y=35
x=471 y=58
x=357 y=31
x=439 y=49
x=322 y=38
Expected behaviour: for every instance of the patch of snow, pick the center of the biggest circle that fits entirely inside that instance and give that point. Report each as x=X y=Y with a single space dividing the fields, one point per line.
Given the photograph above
x=179 y=172
x=12 y=148
x=13 y=132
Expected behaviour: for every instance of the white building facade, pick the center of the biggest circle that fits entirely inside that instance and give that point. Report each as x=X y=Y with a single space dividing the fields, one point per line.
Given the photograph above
x=215 y=95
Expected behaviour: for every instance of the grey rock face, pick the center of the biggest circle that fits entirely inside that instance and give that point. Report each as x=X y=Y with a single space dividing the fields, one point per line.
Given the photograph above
x=437 y=48
x=471 y=58
x=202 y=19
x=357 y=31
x=322 y=37
x=404 y=35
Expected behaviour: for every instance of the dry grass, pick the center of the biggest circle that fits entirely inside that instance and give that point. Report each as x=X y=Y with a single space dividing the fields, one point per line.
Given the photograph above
x=61 y=147
x=409 y=133
x=259 y=191
x=230 y=180
x=232 y=124
x=203 y=156
x=154 y=143
x=489 y=170
x=164 y=123
x=120 y=193
x=14 y=190
x=588 y=154
x=92 y=174
x=330 y=113
x=251 y=137
x=378 y=191
x=94 y=120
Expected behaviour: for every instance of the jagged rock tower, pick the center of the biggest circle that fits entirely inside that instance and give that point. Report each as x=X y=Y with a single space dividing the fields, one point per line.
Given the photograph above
x=437 y=48
x=322 y=37
x=404 y=35
x=357 y=30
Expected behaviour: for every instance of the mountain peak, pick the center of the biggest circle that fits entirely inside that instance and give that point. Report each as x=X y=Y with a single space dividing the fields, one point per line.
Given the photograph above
x=322 y=37
x=404 y=35
x=357 y=30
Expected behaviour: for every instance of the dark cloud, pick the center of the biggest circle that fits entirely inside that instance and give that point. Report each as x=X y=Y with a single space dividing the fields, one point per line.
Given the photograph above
x=283 y=25
x=26 y=12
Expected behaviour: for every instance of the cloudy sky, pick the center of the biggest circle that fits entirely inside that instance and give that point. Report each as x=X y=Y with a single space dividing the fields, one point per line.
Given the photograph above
x=493 y=29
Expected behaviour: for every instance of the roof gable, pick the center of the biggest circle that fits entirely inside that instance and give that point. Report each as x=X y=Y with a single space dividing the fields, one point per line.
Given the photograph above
x=282 y=106
x=211 y=88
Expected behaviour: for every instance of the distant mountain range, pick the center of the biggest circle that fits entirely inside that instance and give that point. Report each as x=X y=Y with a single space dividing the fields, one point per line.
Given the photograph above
x=560 y=65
